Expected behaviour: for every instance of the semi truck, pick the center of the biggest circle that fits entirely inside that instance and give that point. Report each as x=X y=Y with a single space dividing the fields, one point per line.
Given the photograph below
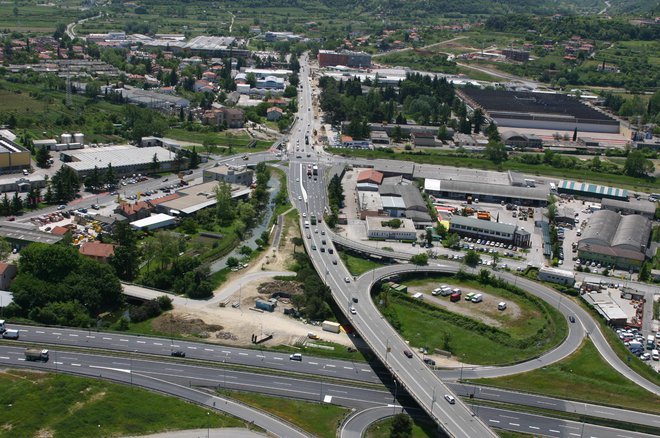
x=36 y=354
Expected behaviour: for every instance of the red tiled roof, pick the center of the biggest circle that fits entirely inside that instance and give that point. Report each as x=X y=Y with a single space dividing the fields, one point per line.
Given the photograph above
x=97 y=249
x=3 y=267
x=370 y=175
x=162 y=199
x=59 y=231
x=130 y=209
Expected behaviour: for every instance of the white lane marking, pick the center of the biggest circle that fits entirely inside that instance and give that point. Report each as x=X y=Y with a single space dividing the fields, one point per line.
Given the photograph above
x=175 y=346
x=313 y=363
x=226 y=352
x=508 y=416
x=515 y=424
x=40 y=332
x=348 y=368
x=494 y=421
x=75 y=364
x=90 y=337
x=555 y=431
x=141 y=342
x=338 y=392
x=107 y=339
x=278 y=358
x=58 y=363
x=330 y=366
x=57 y=334
x=158 y=343
x=365 y=371
x=105 y=368
x=4 y=357
x=123 y=340
x=208 y=349
x=73 y=335
x=192 y=348
x=261 y=356
x=243 y=354
x=490 y=393
x=534 y=427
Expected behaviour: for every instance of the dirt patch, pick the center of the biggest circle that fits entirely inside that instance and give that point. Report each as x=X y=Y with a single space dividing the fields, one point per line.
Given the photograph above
x=79 y=405
x=185 y=325
x=44 y=433
x=289 y=287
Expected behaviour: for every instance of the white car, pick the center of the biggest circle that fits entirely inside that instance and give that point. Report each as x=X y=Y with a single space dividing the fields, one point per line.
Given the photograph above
x=450 y=399
x=299 y=198
x=353 y=312
x=347 y=279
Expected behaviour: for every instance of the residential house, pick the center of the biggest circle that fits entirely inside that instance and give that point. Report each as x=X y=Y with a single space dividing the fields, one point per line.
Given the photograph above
x=231 y=117
x=133 y=212
x=274 y=113
x=101 y=252
x=7 y=274
x=202 y=86
x=423 y=139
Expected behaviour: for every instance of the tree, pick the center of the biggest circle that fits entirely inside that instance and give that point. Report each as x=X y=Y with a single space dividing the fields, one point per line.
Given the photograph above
x=451 y=240
x=478 y=120
x=126 y=260
x=93 y=181
x=472 y=258
x=429 y=236
x=402 y=426
x=645 y=272
x=421 y=259
x=5 y=249
x=638 y=165
x=42 y=157
x=232 y=262
x=224 y=206
x=496 y=152
x=194 y=159
x=16 y=204
x=66 y=184
x=155 y=163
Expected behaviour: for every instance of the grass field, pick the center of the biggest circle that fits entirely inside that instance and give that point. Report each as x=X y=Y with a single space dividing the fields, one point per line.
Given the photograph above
x=37 y=18
x=582 y=376
x=357 y=265
x=316 y=418
x=40 y=404
x=424 y=325
x=381 y=429
x=446 y=159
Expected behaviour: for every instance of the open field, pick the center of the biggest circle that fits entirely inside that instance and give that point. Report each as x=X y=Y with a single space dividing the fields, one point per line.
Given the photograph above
x=447 y=159
x=41 y=404
x=468 y=335
x=316 y=418
x=37 y=18
x=357 y=265
x=582 y=376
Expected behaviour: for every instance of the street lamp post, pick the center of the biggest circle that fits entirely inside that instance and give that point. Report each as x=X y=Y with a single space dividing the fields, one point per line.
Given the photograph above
x=396 y=387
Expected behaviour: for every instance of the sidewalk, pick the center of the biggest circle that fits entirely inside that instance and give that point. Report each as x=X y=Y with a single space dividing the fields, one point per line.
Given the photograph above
x=227 y=432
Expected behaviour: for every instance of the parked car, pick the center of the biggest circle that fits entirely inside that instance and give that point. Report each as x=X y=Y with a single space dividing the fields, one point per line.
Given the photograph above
x=430 y=362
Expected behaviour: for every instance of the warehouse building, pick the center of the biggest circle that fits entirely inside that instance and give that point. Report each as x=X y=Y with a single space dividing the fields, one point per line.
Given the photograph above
x=591 y=191
x=487 y=192
x=554 y=275
x=614 y=240
x=13 y=157
x=192 y=199
x=230 y=174
x=532 y=110
x=125 y=160
x=499 y=232
x=329 y=58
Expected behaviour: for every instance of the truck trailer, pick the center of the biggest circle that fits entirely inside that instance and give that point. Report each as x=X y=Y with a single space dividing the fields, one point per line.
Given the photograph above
x=36 y=354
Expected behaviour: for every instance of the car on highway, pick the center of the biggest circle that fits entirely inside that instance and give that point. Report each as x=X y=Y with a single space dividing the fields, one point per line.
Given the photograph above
x=296 y=356
x=178 y=353
x=450 y=399
x=334 y=262
x=304 y=214
x=347 y=279
x=299 y=198
x=408 y=354
x=61 y=207
x=353 y=311
x=571 y=318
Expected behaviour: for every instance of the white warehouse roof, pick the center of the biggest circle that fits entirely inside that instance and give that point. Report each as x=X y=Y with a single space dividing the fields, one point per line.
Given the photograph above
x=118 y=156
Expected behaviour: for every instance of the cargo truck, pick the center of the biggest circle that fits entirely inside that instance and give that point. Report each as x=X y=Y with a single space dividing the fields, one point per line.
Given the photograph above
x=330 y=326
x=36 y=354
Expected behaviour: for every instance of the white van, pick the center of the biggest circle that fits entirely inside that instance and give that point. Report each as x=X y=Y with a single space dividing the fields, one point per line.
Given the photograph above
x=2 y=326
x=654 y=355
x=418 y=296
x=477 y=298
x=10 y=334
x=501 y=305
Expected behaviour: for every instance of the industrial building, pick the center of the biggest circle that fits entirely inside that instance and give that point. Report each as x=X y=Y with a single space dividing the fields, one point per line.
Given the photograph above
x=329 y=58
x=377 y=229
x=192 y=199
x=554 y=275
x=641 y=207
x=614 y=240
x=591 y=191
x=487 y=192
x=482 y=229
x=519 y=140
x=13 y=157
x=533 y=110
x=154 y=222
x=230 y=174
x=125 y=160
x=20 y=235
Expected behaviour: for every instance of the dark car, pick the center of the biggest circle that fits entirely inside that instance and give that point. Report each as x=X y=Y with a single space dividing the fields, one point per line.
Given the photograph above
x=408 y=354
x=428 y=361
x=179 y=353
x=355 y=299
x=571 y=318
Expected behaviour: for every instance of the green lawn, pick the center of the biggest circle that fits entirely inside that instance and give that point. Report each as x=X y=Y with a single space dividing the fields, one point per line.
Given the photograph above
x=316 y=418
x=339 y=351
x=448 y=159
x=358 y=265
x=431 y=327
x=39 y=404
x=237 y=141
x=381 y=429
x=37 y=18
x=582 y=376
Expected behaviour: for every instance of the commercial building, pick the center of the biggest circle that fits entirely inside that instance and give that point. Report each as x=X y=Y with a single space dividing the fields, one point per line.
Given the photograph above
x=404 y=200
x=101 y=252
x=13 y=157
x=379 y=137
x=487 y=192
x=523 y=109
x=329 y=58
x=641 y=207
x=270 y=83
x=125 y=160
x=230 y=174
x=554 y=275
x=377 y=228
x=229 y=117
x=21 y=235
x=615 y=240
x=481 y=229
x=516 y=55
x=154 y=222
x=423 y=139
x=591 y=191
x=518 y=140
x=151 y=99
x=192 y=199
x=370 y=176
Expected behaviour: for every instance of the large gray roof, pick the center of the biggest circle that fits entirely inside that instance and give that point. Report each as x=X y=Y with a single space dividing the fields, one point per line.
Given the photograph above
x=484 y=225
x=608 y=228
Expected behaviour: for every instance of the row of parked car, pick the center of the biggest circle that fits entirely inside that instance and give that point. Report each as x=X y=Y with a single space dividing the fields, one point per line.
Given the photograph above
x=645 y=349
